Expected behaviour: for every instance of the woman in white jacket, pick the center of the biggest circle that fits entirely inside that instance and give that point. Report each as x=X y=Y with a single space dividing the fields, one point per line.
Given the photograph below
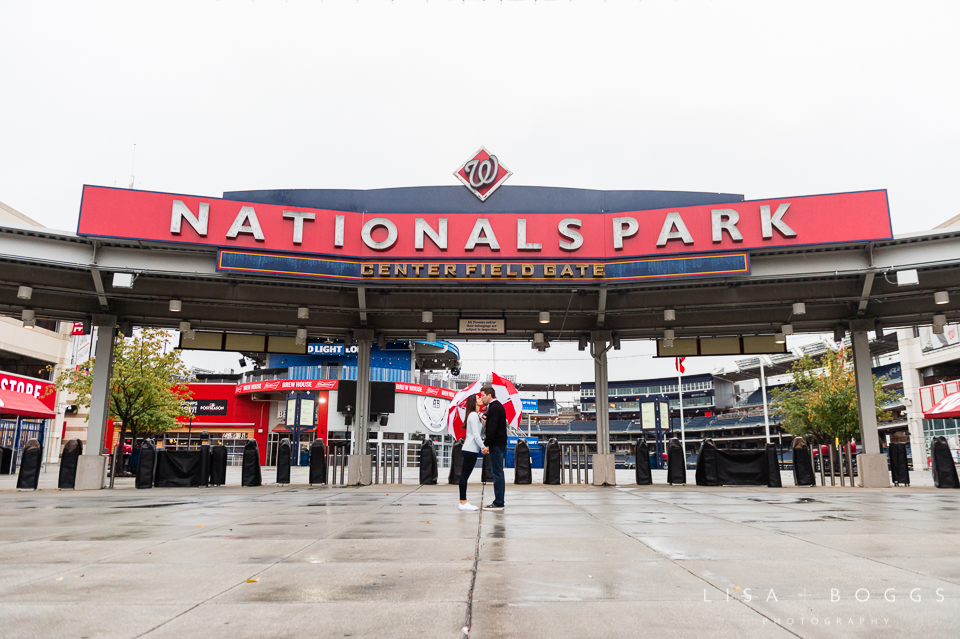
x=472 y=444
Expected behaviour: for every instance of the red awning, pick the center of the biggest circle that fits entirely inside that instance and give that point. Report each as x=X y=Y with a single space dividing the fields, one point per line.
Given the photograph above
x=13 y=403
x=946 y=408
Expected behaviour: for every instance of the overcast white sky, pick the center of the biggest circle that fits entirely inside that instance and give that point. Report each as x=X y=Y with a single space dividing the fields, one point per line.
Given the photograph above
x=767 y=99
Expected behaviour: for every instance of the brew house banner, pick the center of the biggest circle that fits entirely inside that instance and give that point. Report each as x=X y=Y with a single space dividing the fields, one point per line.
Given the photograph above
x=694 y=241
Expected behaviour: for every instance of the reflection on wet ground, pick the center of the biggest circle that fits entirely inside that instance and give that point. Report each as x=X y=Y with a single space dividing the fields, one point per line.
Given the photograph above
x=401 y=560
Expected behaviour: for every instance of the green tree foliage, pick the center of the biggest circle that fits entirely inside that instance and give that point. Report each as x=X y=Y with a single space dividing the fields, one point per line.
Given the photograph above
x=821 y=401
x=148 y=391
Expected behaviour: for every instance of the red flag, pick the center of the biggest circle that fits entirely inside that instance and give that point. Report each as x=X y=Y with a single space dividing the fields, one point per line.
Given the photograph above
x=679 y=365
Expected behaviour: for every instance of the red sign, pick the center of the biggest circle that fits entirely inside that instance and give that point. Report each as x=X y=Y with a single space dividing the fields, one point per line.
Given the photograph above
x=35 y=387
x=286 y=385
x=165 y=217
x=428 y=391
x=77 y=328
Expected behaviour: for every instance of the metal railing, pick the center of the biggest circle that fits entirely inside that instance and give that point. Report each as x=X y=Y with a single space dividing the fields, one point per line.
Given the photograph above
x=834 y=466
x=388 y=456
x=337 y=453
x=574 y=457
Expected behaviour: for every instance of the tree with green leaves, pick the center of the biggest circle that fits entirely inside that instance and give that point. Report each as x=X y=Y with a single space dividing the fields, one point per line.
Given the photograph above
x=821 y=401
x=148 y=386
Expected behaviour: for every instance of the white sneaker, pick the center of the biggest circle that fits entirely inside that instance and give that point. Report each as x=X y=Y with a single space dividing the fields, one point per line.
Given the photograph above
x=468 y=507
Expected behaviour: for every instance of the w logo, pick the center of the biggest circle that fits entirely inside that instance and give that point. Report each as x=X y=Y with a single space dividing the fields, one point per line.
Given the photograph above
x=482 y=174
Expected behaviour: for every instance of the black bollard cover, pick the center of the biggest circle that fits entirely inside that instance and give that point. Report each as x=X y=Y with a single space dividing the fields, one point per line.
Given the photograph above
x=898 y=464
x=148 y=464
x=773 y=467
x=456 y=463
x=803 y=474
x=218 y=465
x=944 y=470
x=428 y=464
x=178 y=469
x=706 y=472
x=486 y=473
x=642 y=459
x=250 y=472
x=30 y=460
x=552 y=463
x=284 y=451
x=69 y=459
x=6 y=460
x=318 y=462
x=676 y=464
x=522 y=465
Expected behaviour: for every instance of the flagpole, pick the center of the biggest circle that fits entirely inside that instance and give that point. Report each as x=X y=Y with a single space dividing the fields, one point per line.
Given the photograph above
x=683 y=432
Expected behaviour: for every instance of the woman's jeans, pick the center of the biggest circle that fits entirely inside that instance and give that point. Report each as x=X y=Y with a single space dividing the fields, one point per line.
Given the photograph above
x=469 y=461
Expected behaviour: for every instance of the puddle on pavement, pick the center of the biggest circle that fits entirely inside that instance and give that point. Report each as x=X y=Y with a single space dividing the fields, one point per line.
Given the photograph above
x=176 y=503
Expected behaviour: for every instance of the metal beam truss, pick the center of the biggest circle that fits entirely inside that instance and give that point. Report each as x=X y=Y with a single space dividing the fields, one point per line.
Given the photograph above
x=71 y=278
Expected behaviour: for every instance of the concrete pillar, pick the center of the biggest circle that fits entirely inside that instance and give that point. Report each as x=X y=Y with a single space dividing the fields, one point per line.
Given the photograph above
x=359 y=465
x=871 y=463
x=91 y=468
x=912 y=359
x=604 y=465
x=603 y=395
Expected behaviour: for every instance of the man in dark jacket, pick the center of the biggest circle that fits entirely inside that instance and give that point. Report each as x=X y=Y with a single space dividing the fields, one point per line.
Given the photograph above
x=495 y=443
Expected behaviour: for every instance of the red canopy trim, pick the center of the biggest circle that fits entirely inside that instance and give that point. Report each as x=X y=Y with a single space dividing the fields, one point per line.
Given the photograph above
x=946 y=408
x=13 y=403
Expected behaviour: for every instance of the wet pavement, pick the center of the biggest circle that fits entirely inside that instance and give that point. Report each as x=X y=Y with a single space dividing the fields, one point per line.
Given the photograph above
x=401 y=561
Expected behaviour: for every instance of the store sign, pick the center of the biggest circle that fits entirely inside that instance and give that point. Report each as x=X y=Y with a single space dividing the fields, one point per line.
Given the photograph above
x=39 y=389
x=208 y=406
x=433 y=412
x=694 y=241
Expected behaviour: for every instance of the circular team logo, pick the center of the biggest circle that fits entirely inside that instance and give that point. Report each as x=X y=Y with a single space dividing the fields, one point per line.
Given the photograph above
x=433 y=412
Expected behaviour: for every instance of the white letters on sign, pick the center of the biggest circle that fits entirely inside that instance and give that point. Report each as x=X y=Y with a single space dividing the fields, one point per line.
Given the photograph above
x=20 y=386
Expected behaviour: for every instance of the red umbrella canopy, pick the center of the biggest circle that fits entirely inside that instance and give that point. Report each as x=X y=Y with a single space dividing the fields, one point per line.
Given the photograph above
x=946 y=408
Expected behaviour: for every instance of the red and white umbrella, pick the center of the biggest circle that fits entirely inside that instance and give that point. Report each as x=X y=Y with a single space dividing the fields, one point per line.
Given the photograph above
x=506 y=393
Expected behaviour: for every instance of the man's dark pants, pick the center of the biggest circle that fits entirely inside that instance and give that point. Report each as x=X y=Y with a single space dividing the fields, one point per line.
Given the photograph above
x=498 y=455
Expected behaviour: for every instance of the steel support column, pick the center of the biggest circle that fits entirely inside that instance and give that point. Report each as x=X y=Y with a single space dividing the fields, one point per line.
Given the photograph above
x=871 y=464
x=604 y=464
x=359 y=464
x=602 y=397
x=100 y=390
x=92 y=464
x=866 y=402
x=361 y=427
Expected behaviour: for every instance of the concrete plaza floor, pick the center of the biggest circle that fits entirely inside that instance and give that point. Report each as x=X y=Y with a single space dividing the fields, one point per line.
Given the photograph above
x=401 y=561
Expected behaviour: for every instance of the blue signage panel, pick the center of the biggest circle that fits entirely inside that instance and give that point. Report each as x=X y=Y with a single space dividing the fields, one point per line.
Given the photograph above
x=529 y=405
x=401 y=272
x=536 y=453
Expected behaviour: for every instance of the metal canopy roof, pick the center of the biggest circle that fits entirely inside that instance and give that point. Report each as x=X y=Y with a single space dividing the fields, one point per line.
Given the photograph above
x=71 y=277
